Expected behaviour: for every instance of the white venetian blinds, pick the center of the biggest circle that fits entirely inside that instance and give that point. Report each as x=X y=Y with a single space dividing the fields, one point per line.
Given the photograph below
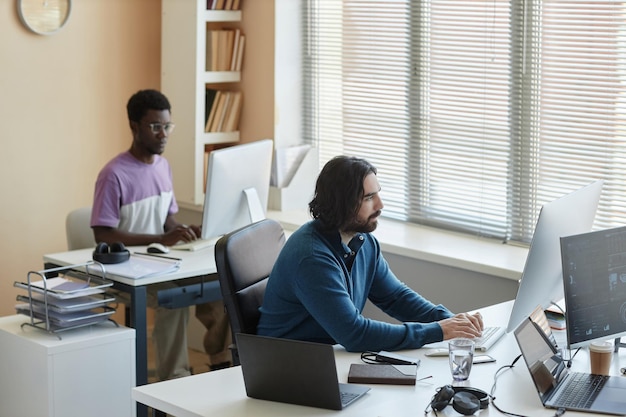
x=475 y=112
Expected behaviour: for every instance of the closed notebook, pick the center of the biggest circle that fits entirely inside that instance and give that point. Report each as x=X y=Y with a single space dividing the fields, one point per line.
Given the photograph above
x=361 y=373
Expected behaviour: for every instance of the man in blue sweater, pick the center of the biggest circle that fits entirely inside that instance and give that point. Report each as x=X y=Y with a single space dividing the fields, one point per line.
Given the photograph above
x=332 y=265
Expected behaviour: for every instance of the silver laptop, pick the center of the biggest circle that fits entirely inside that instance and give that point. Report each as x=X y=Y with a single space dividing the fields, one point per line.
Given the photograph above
x=557 y=386
x=293 y=371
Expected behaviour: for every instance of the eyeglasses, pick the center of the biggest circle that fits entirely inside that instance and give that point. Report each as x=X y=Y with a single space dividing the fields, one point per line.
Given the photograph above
x=156 y=128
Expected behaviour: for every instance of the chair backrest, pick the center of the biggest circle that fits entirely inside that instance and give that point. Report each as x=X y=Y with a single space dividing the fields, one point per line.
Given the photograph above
x=78 y=229
x=244 y=260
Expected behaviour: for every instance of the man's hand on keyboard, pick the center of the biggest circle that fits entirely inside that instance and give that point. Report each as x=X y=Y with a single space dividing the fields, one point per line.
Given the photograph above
x=462 y=325
x=179 y=233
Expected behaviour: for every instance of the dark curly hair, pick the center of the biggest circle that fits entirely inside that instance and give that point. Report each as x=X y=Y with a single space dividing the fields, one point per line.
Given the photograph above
x=339 y=190
x=144 y=100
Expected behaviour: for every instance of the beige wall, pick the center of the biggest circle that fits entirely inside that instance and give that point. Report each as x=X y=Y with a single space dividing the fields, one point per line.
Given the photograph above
x=62 y=101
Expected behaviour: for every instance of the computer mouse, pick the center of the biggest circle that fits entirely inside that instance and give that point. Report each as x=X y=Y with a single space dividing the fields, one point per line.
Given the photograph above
x=157 y=248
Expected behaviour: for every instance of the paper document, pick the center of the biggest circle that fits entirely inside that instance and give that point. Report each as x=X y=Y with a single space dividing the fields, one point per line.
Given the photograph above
x=286 y=163
x=141 y=266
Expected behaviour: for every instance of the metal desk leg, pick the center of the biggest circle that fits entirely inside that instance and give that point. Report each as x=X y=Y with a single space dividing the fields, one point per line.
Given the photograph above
x=138 y=306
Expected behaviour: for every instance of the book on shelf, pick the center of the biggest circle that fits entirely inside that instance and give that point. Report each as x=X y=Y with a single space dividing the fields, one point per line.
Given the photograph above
x=235 y=49
x=240 y=47
x=223 y=4
x=232 y=118
x=219 y=108
x=210 y=95
x=223 y=50
x=224 y=111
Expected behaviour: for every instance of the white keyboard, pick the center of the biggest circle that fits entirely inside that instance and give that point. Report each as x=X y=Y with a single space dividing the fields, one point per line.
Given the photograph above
x=195 y=245
x=490 y=336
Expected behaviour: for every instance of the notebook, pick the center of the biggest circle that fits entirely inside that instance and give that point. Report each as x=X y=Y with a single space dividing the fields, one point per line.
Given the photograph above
x=366 y=373
x=293 y=371
x=557 y=386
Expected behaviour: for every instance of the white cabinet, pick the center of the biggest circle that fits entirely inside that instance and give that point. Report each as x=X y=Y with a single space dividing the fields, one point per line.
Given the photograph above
x=90 y=371
x=184 y=80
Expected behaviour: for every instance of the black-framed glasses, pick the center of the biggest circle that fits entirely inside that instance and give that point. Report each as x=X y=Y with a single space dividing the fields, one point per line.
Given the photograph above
x=156 y=128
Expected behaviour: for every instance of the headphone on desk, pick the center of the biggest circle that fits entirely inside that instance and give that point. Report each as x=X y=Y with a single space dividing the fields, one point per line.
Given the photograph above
x=465 y=400
x=114 y=254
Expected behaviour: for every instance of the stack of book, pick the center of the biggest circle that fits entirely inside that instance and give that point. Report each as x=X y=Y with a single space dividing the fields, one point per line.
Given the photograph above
x=223 y=110
x=223 y=4
x=224 y=49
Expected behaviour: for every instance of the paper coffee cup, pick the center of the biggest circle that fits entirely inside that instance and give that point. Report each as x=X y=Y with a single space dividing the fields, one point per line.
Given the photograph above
x=600 y=356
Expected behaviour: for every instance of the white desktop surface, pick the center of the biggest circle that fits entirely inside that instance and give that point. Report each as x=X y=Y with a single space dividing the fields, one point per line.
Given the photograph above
x=222 y=393
x=193 y=264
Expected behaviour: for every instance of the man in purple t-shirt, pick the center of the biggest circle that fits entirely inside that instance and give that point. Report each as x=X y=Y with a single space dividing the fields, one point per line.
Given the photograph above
x=134 y=204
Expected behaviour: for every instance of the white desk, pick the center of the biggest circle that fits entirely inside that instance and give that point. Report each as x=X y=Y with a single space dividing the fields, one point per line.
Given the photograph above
x=89 y=372
x=222 y=393
x=199 y=265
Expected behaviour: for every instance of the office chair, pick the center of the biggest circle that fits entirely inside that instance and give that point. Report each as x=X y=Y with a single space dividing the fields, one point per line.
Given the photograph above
x=78 y=230
x=244 y=260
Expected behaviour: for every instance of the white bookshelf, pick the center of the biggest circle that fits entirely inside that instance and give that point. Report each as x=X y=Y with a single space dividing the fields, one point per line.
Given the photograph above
x=183 y=80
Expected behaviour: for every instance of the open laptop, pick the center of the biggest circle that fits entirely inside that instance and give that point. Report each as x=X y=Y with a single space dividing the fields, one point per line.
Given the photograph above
x=557 y=386
x=293 y=371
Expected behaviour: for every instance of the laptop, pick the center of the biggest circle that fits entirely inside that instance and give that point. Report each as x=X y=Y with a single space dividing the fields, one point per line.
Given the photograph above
x=293 y=371
x=558 y=386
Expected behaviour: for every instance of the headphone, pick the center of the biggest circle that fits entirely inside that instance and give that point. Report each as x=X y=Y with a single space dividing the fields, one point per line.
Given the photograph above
x=465 y=400
x=114 y=254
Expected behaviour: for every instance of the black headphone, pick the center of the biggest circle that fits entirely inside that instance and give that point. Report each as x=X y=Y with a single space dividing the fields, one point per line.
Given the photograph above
x=114 y=254
x=465 y=400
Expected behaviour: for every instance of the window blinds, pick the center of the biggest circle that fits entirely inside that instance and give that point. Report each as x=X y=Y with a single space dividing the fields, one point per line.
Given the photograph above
x=475 y=112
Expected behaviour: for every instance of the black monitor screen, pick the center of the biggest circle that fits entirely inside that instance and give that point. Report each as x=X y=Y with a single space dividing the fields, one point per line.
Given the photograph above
x=594 y=282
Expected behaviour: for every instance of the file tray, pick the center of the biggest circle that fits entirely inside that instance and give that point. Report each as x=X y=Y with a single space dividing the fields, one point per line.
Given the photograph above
x=64 y=298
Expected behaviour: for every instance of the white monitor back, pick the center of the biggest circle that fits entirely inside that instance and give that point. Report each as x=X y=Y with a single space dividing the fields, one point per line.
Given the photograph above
x=542 y=278
x=237 y=187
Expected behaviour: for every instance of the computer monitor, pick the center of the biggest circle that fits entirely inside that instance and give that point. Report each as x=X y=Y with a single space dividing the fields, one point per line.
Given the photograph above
x=237 y=187
x=594 y=280
x=541 y=282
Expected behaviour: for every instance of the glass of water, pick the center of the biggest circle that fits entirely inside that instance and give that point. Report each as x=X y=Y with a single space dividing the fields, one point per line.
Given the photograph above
x=461 y=358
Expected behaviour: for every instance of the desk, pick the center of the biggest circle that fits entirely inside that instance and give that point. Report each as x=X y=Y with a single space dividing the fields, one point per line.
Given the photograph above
x=195 y=264
x=222 y=393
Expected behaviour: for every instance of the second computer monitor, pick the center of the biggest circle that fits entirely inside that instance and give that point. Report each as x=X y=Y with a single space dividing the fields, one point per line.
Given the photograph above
x=542 y=282
x=594 y=269
x=237 y=187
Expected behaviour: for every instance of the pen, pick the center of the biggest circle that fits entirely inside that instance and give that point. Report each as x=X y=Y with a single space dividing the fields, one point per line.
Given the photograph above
x=158 y=256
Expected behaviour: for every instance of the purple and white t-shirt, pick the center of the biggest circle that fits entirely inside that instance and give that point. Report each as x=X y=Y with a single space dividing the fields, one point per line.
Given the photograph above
x=133 y=196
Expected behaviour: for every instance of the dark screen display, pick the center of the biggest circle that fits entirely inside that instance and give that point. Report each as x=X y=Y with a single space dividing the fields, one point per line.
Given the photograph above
x=594 y=282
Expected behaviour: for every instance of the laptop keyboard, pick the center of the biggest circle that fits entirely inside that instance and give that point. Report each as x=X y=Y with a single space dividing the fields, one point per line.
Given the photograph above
x=347 y=397
x=581 y=390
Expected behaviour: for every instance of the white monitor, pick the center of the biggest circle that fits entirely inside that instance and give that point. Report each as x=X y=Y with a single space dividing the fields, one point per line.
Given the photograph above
x=237 y=187
x=542 y=282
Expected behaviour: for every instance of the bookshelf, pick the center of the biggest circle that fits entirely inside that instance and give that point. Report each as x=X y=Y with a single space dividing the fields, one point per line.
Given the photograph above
x=184 y=80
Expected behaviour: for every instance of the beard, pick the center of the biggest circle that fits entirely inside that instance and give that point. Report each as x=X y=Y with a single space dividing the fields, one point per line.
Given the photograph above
x=363 y=226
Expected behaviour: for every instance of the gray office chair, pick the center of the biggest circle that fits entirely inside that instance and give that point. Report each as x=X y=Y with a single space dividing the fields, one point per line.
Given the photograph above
x=78 y=230
x=244 y=260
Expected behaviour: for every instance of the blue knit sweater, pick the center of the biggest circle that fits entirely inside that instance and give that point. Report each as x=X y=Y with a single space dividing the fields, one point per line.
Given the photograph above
x=319 y=286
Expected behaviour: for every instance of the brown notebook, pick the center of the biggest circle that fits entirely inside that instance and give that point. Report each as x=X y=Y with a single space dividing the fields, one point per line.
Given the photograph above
x=361 y=373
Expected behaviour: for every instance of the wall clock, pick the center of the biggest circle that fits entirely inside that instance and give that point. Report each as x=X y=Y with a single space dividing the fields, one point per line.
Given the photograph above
x=44 y=17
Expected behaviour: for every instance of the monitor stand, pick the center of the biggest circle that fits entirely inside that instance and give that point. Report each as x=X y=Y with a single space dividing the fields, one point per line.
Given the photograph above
x=618 y=344
x=255 y=209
